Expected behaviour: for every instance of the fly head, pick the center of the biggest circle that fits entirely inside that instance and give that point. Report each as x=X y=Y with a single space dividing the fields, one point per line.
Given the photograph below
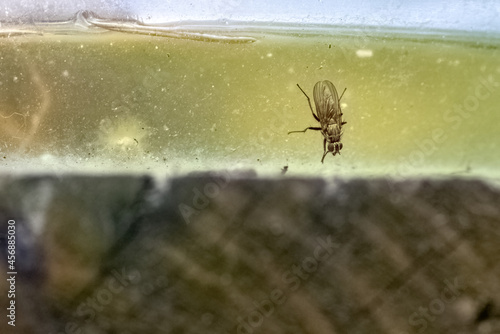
x=335 y=147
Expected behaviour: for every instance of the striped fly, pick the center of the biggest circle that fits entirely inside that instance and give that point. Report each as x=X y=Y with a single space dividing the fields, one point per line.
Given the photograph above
x=329 y=116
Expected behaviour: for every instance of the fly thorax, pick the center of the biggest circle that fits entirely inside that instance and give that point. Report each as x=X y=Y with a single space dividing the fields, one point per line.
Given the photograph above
x=333 y=130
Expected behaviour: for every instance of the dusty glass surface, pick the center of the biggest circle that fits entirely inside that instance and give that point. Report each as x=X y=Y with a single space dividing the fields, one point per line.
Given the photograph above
x=415 y=103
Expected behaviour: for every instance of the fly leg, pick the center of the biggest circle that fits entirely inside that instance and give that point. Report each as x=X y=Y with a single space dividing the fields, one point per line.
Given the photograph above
x=342 y=94
x=309 y=128
x=309 y=101
x=324 y=149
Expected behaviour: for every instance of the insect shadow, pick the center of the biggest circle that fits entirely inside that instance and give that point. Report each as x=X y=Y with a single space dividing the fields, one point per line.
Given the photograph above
x=329 y=116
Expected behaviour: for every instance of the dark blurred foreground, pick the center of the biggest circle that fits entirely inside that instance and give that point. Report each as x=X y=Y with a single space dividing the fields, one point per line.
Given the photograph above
x=226 y=253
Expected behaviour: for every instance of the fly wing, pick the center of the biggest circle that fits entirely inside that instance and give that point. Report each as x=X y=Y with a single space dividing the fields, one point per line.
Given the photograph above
x=327 y=102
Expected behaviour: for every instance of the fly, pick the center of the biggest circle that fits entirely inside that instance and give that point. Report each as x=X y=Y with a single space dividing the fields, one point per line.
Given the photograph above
x=329 y=116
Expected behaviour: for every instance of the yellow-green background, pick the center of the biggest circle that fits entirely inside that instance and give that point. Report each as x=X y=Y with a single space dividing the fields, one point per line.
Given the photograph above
x=116 y=102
